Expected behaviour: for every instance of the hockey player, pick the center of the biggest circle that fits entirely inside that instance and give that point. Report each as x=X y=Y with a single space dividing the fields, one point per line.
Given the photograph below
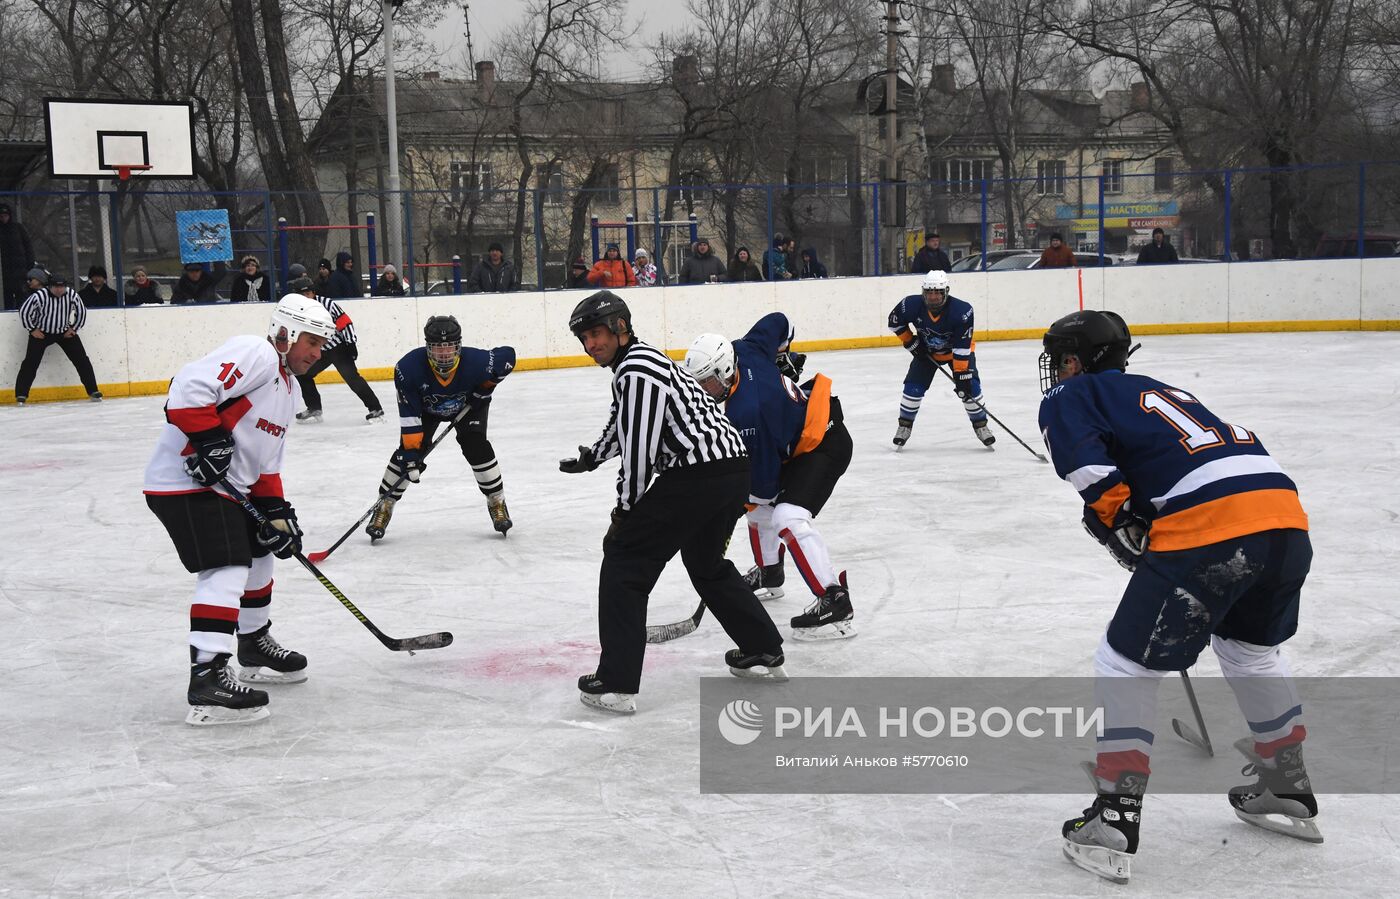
x=936 y=328
x=798 y=448
x=226 y=419
x=680 y=488
x=1218 y=544
x=439 y=383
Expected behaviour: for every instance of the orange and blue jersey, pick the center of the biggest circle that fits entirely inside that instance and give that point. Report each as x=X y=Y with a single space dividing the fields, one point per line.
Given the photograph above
x=946 y=336
x=424 y=392
x=1197 y=479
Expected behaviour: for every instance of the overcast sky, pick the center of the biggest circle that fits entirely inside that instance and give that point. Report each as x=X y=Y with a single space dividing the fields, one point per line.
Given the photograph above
x=488 y=19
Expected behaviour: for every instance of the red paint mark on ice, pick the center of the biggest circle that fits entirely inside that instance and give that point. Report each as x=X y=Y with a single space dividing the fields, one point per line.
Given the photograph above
x=562 y=659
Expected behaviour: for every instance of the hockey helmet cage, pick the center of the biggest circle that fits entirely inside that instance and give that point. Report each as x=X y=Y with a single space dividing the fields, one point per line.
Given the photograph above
x=1099 y=340
x=443 y=336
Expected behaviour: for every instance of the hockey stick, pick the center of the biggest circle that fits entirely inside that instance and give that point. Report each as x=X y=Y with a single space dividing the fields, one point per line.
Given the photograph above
x=664 y=633
x=1039 y=456
x=409 y=644
x=322 y=556
x=1201 y=740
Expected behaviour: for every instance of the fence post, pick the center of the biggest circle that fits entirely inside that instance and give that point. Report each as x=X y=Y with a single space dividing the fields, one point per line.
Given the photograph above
x=875 y=227
x=73 y=239
x=694 y=227
x=1361 y=210
x=631 y=237
x=768 y=189
x=457 y=274
x=273 y=264
x=1229 y=254
x=593 y=229
x=114 y=216
x=407 y=202
x=985 y=245
x=282 y=250
x=371 y=247
x=656 y=231
x=538 y=205
x=1100 y=237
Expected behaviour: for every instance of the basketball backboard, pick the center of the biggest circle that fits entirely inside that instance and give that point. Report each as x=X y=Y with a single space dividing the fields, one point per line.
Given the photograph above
x=99 y=138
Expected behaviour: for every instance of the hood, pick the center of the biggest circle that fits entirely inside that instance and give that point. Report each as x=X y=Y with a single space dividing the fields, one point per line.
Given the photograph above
x=743 y=250
x=340 y=259
x=812 y=255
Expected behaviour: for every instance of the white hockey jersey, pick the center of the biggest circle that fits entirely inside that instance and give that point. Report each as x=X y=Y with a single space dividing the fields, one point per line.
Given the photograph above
x=242 y=388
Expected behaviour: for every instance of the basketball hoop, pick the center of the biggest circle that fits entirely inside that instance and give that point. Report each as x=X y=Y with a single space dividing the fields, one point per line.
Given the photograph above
x=124 y=171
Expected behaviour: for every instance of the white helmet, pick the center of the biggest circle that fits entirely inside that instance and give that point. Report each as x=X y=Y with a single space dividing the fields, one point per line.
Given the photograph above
x=296 y=313
x=935 y=280
x=711 y=356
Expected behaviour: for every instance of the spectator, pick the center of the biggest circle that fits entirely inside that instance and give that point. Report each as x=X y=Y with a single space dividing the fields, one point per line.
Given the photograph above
x=811 y=266
x=141 y=290
x=614 y=271
x=16 y=258
x=195 y=286
x=578 y=273
x=703 y=266
x=794 y=263
x=98 y=294
x=322 y=281
x=389 y=284
x=251 y=285
x=55 y=315
x=775 y=262
x=931 y=258
x=496 y=274
x=648 y=275
x=743 y=268
x=344 y=284
x=34 y=280
x=1057 y=255
x=1159 y=252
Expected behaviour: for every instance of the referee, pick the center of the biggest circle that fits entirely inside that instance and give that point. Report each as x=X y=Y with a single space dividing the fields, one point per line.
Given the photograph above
x=682 y=486
x=340 y=351
x=53 y=314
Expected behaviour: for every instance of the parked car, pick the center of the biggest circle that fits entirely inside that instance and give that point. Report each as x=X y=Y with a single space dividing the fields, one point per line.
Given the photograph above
x=1341 y=246
x=1028 y=259
x=973 y=261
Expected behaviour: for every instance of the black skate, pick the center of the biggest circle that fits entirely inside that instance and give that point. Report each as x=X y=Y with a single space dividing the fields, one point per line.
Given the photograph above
x=216 y=696
x=593 y=692
x=901 y=433
x=829 y=618
x=379 y=521
x=984 y=433
x=1281 y=799
x=766 y=581
x=500 y=515
x=265 y=661
x=309 y=415
x=1104 y=839
x=756 y=665
x=375 y=415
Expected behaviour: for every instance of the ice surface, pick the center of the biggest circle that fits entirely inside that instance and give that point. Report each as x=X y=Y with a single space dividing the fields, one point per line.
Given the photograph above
x=475 y=770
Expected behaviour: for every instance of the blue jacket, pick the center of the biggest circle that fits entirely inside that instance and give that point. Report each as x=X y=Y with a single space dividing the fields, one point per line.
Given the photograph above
x=948 y=337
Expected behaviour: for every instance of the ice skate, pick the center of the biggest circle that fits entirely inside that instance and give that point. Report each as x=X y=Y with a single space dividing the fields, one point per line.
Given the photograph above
x=1104 y=839
x=500 y=515
x=901 y=433
x=830 y=617
x=375 y=415
x=1281 y=799
x=21 y=400
x=593 y=692
x=766 y=581
x=756 y=665
x=95 y=396
x=379 y=521
x=309 y=415
x=216 y=696
x=984 y=433
x=265 y=661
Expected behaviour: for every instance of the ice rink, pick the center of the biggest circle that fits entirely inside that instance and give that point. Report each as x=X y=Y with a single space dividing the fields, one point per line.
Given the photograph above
x=474 y=770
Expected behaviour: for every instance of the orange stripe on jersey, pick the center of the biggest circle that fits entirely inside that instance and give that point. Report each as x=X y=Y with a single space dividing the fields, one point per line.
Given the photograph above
x=907 y=337
x=818 y=416
x=342 y=322
x=1107 y=506
x=1227 y=517
x=413 y=441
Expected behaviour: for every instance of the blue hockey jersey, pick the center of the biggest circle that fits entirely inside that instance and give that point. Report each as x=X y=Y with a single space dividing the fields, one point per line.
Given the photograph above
x=947 y=336
x=422 y=391
x=1116 y=436
x=776 y=419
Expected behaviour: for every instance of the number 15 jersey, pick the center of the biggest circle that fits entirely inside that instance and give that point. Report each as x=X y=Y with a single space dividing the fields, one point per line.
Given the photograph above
x=1199 y=480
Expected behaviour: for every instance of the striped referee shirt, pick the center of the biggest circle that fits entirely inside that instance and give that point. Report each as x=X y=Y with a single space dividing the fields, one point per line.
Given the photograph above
x=344 y=328
x=53 y=314
x=661 y=419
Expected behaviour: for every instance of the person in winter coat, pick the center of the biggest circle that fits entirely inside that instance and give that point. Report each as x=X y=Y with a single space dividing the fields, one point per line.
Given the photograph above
x=142 y=291
x=743 y=268
x=195 y=286
x=614 y=271
x=647 y=272
x=1057 y=255
x=775 y=262
x=794 y=262
x=344 y=283
x=703 y=266
x=322 y=281
x=16 y=258
x=578 y=273
x=389 y=283
x=251 y=284
x=1158 y=252
x=811 y=266
x=98 y=294
x=494 y=273
x=931 y=258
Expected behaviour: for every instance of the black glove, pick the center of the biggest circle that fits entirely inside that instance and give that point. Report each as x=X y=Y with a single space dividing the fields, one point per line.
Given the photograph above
x=1126 y=539
x=352 y=351
x=213 y=452
x=790 y=364
x=279 y=533
x=962 y=383
x=410 y=463
x=584 y=461
x=619 y=515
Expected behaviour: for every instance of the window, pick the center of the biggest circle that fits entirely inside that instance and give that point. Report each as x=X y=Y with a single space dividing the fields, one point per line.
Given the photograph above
x=1050 y=177
x=608 y=194
x=469 y=178
x=1113 y=176
x=690 y=184
x=963 y=176
x=828 y=173
x=1162 y=175
x=550 y=181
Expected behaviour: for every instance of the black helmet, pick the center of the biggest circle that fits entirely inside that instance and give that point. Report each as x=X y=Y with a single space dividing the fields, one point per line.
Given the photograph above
x=1099 y=340
x=601 y=308
x=443 y=331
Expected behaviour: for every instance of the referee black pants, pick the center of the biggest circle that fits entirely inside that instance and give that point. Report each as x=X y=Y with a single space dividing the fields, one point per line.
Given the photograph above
x=342 y=356
x=690 y=510
x=72 y=348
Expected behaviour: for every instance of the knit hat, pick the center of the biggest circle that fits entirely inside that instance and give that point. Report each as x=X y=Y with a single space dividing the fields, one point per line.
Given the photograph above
x=247 y=259
x=495 y=245
x=299 y=284
x=38 y=274
x=193 y=267
x=579 y=262
x=97 y=271
x=390 y=270
x=58 y=279
x=324 y=263
x=296 y=270
x=5 y=208
x=641 y=251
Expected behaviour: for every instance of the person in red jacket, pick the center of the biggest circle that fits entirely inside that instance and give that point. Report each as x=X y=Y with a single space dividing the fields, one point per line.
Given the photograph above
x=1057 y=255
x=612 y=270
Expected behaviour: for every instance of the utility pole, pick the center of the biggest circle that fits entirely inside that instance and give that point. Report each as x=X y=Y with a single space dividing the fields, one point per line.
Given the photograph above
x=891 y=105
x=393 y=246
x=471 y=54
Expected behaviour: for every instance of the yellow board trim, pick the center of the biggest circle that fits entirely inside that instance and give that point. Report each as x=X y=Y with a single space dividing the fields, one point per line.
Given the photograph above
x=158 y=388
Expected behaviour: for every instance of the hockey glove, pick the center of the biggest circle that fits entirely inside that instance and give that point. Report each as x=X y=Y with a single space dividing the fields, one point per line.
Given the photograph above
x=619 y=515
x=584 y=461
x=409 y=463
x=213 y=453
x=279 y=533
x=962 y=384
x=790 y=364
x=1126 y=540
